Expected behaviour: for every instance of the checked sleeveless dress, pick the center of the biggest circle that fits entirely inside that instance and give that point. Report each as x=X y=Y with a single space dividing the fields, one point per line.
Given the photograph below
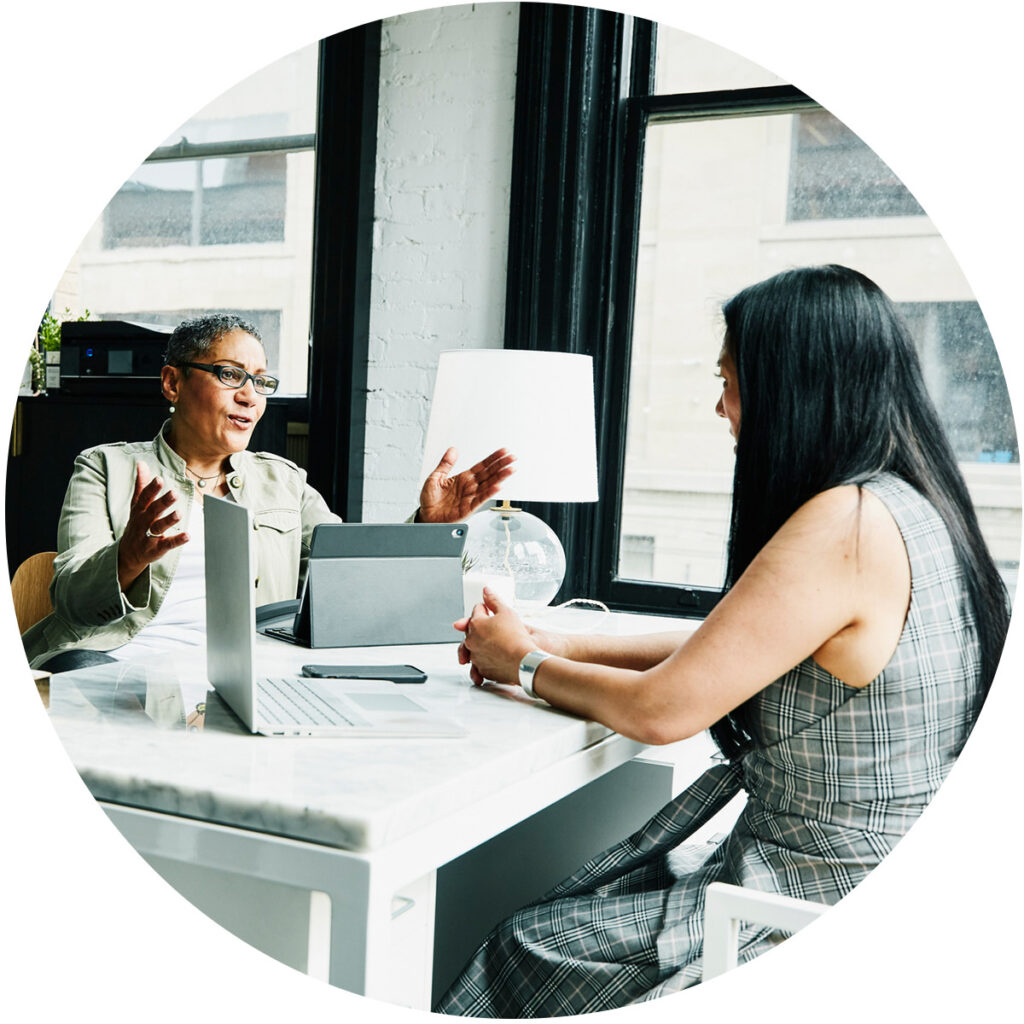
x=837 y=775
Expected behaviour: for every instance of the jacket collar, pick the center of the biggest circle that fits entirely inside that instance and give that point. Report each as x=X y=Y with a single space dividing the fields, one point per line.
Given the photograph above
x=165 y=453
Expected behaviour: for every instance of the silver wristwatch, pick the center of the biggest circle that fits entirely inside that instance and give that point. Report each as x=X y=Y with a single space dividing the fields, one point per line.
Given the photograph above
x=527 y=667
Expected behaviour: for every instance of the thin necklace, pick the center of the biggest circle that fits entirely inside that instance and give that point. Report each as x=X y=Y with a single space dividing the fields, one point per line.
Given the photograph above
x=201 y=480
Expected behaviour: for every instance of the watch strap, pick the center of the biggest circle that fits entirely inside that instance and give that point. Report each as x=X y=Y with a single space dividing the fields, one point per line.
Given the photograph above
x=527 y=667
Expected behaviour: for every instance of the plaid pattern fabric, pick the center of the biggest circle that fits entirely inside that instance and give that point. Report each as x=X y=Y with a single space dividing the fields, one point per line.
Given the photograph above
x=838 y=775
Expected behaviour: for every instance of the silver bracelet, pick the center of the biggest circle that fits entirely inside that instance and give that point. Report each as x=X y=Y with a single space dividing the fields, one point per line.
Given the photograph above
x=527 y=667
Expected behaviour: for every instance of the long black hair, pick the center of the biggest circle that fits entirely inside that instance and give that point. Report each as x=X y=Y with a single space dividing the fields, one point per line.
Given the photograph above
x=831 y=392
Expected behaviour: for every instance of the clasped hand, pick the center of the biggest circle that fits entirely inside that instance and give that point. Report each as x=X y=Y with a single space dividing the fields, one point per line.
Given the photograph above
x=496 y=640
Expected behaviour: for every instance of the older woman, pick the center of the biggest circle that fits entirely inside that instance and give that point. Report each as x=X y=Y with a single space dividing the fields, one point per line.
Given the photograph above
x=128 y=578
x=840 y=674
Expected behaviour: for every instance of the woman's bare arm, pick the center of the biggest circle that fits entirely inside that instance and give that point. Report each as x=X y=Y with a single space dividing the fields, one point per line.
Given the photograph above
x=835 y=573
x=638 y=652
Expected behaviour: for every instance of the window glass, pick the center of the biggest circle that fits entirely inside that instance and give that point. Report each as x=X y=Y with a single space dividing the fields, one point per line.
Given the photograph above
x=687 y=63
x=229 y=232
x=716 y=216
x=833 y=174
x=220 y=201
x=964 y=378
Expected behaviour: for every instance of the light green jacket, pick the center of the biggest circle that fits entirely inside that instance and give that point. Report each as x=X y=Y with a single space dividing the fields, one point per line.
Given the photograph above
x=90 y=610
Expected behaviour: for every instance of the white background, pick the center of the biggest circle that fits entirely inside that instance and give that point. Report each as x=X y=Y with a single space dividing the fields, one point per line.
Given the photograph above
x=89 y=90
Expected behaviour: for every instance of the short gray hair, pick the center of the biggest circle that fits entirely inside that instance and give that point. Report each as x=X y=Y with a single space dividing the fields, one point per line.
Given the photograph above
x=193 y=338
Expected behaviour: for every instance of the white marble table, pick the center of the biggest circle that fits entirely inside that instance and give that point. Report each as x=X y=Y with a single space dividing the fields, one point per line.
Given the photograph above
x=344 y=837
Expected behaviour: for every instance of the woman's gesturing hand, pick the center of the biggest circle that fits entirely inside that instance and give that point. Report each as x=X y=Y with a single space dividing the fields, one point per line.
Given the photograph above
x=143 y=540
x=449 y=499
x=495 y=641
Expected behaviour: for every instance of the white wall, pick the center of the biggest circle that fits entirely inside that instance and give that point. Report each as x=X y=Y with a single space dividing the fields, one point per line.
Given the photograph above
x=444 y=156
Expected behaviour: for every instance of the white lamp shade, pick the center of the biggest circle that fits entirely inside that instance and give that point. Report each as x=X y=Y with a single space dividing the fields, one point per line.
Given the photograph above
x=538 y=405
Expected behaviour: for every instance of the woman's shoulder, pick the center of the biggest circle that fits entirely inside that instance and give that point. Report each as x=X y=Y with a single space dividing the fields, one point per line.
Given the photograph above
x=881 y=491
x=117 y=450
x=271 y=469
x=843 y=522
x=272 y=462
x=838 y=505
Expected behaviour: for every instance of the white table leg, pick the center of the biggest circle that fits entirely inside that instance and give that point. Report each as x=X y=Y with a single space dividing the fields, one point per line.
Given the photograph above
x=357 y=915
x=381 y=937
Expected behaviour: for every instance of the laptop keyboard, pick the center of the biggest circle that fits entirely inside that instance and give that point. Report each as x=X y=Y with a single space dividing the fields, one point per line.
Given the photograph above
x=287 y=701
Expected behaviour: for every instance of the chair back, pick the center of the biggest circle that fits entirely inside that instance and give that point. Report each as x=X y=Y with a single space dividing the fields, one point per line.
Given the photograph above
x=30 y=589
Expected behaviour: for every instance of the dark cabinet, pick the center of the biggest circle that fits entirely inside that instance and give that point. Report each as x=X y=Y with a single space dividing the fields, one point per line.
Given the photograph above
x=48 y=433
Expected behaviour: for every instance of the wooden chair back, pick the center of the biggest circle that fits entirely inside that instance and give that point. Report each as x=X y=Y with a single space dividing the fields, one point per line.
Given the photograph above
x=30 y=589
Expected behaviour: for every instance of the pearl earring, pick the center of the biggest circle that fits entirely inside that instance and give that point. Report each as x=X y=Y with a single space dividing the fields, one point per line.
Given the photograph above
x=171 y=410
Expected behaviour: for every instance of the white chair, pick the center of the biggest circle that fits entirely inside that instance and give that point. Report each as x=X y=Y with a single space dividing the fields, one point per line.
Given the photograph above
x=726 y=905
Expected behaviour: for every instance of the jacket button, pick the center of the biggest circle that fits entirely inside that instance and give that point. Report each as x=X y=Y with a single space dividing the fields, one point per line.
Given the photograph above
x=235 y=481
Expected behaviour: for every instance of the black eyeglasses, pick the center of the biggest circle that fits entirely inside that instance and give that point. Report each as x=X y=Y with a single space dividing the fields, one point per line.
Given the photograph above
x=235 y=377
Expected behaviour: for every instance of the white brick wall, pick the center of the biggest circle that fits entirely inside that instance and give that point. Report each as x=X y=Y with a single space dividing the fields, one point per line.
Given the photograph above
x=444 y=155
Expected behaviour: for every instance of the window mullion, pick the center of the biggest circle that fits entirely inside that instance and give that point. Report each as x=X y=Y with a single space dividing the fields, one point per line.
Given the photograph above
x=566 y=178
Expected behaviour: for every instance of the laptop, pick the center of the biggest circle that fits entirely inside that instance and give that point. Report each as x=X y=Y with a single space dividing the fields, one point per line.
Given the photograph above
x=279 y=704
x=374 y=584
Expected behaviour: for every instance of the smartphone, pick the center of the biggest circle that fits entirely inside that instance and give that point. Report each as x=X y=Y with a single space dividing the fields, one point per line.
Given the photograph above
x=394 y=673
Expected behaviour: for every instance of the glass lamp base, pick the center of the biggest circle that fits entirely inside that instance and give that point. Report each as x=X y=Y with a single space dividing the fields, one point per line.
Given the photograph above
x=510 y=549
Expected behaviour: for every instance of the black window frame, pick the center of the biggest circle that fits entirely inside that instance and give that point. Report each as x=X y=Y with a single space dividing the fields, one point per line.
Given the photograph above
x=584 y=101
x=648 y=111
x=346 y=153
x=296 y=406
x=331 y=138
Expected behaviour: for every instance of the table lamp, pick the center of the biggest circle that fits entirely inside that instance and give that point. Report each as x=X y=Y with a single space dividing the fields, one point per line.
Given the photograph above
x=540 y=406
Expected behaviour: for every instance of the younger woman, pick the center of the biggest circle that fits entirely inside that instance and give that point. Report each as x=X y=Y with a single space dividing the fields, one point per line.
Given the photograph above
x=840 y=674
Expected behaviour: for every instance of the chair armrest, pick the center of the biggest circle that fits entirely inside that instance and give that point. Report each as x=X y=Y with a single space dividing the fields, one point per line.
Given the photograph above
x=726 y=905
